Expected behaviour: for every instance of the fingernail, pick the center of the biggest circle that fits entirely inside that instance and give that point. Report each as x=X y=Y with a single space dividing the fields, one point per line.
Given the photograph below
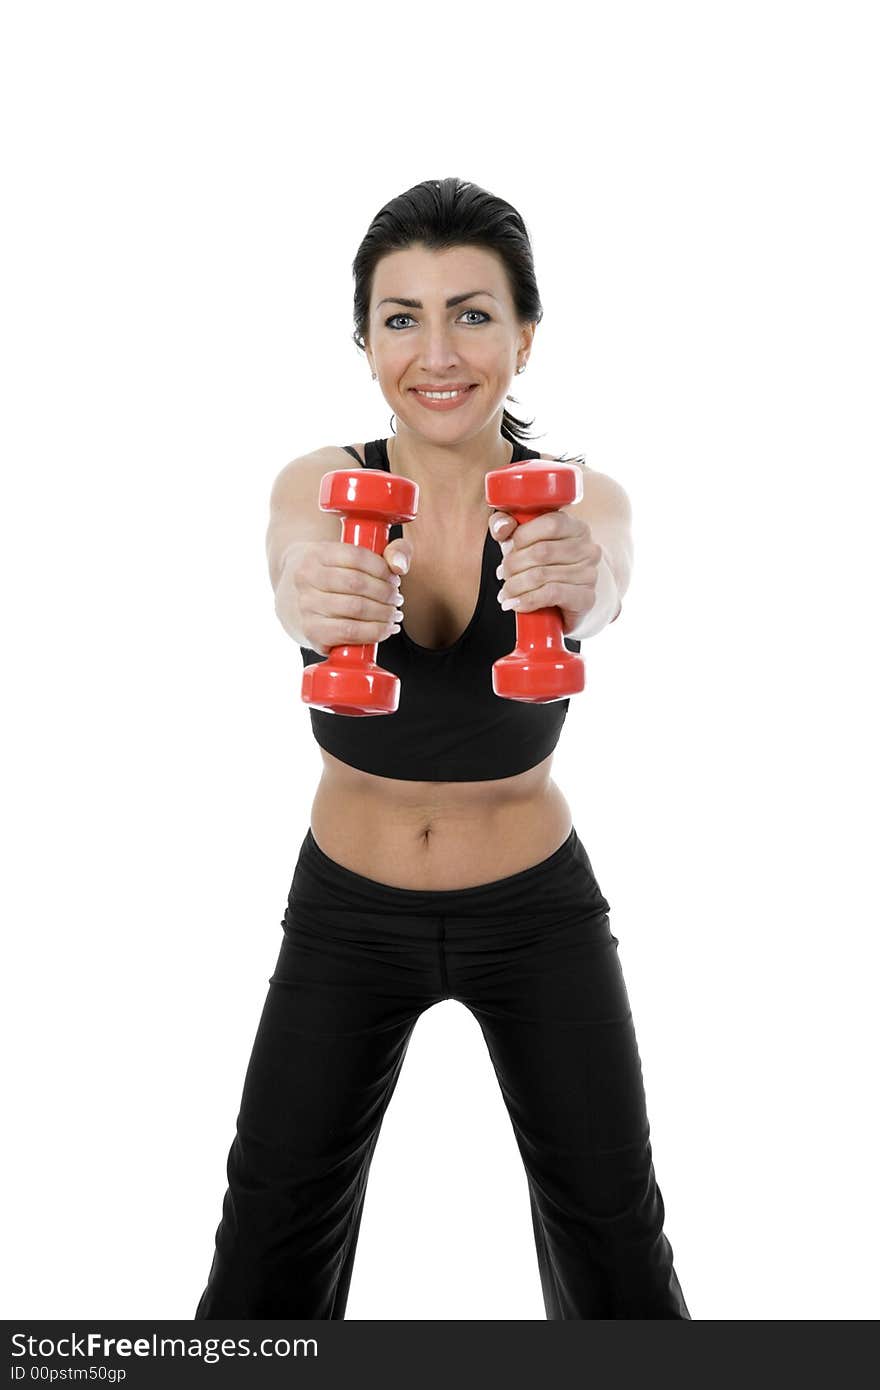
x=402 y=563
x=506 y=546
x=510 y=603
x=497 y=524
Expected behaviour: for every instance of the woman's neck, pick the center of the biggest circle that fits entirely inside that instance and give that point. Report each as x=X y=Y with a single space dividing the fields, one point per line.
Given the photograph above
x=449 y=480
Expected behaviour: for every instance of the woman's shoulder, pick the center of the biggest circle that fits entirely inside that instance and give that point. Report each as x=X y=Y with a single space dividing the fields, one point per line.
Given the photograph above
x=561 y=458
x=302 y=475
x=339 y=456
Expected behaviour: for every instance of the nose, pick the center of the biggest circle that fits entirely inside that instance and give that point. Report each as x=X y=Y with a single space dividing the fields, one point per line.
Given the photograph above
x=438 y=359
x=439 y=350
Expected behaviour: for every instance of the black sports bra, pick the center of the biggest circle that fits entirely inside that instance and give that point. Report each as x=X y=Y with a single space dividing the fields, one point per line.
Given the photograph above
x=449 y=725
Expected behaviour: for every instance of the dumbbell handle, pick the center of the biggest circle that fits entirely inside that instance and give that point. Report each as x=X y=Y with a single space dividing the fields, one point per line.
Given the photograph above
x=372 y=533
x=540 y=669
x=541 y=628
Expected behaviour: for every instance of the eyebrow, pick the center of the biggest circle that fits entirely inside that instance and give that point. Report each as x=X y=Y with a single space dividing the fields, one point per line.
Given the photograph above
x=417 y=303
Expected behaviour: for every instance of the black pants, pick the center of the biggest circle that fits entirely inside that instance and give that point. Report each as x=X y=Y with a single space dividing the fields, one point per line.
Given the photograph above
x=534 y=959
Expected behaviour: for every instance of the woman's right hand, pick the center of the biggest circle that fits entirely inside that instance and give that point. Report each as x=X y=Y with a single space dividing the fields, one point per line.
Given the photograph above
x=332 y=593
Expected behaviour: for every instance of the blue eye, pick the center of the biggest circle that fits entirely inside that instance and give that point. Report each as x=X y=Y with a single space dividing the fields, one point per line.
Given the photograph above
x=389 y=322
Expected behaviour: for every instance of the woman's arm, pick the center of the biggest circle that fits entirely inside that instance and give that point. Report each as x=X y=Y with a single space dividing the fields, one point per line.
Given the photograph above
x=605 y=508
x=295 y=519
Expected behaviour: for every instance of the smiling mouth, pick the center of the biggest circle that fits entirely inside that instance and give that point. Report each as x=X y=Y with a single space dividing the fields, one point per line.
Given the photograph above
x=451 y=394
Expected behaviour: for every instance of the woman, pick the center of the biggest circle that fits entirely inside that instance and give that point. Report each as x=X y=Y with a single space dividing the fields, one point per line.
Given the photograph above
x=441 y=861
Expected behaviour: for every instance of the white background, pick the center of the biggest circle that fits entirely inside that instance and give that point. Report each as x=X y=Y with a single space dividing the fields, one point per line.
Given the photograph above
x=186 y=186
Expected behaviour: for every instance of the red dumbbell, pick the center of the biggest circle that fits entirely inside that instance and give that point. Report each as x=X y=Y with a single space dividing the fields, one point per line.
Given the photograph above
x=369 y=501
x=540 y=668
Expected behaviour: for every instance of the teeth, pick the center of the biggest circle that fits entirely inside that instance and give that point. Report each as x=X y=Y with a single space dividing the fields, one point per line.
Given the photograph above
x=443 y=395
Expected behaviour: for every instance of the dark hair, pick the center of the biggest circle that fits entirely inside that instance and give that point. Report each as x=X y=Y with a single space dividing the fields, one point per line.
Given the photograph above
x=441 y=213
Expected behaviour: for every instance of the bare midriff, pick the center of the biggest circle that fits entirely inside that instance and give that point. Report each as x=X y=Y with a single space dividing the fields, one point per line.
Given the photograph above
x=437 y=835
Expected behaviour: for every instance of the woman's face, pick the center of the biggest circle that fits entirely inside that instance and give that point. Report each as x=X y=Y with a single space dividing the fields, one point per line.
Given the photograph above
x=477 y=341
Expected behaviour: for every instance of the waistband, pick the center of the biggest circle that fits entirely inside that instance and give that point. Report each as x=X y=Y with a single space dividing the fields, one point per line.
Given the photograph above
x=562 y=881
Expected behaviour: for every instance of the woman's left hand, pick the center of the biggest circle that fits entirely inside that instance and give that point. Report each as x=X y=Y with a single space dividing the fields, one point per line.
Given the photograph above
x=548 y=562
